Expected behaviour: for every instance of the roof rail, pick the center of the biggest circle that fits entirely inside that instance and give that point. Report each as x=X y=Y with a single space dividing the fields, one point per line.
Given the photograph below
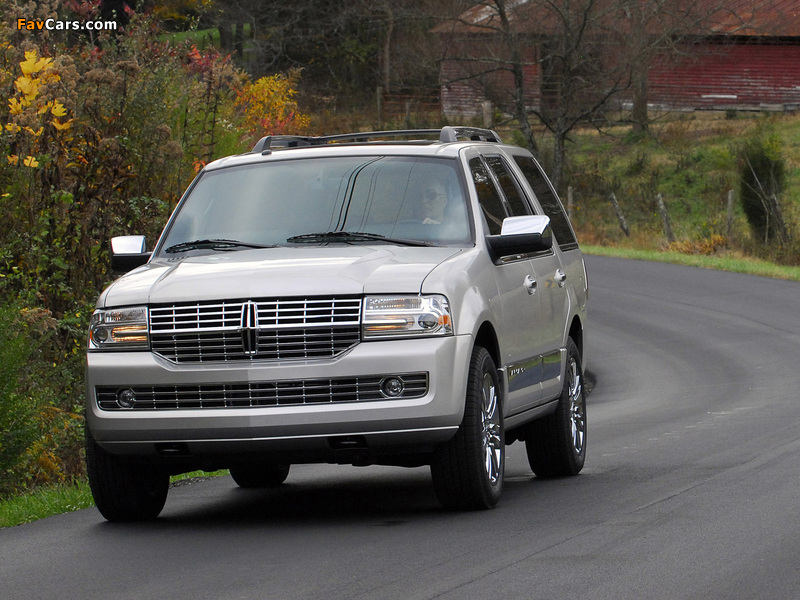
x=476 y=134
x=281 y=141
x=446 y=134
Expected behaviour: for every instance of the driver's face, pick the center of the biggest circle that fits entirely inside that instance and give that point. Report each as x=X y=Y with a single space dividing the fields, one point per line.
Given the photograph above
x=433 y=199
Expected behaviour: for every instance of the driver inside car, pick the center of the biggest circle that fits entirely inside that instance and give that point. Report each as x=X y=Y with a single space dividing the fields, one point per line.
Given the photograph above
x=431 y=199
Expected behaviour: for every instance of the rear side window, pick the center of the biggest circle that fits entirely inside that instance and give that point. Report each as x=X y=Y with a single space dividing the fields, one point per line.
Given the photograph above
x=516 y=202
x=489 y=198
x=550 y=203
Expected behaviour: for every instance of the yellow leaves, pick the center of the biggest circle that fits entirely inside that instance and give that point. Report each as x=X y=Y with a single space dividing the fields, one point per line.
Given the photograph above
x=15 y=106
x=31 y=65
x=62 y=126
x=270 y=107
x=28 y=161
x=58 y=109
x=36 y=73
x=28 y=87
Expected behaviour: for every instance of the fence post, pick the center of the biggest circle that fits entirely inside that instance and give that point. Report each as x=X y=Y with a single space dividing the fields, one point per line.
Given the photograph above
x=486 y=105
x=665 y=219
x=729 y=219
x=620 y=217
x=379 y=105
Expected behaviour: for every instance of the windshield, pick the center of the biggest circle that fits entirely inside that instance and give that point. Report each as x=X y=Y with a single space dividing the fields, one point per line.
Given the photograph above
x=302 y=201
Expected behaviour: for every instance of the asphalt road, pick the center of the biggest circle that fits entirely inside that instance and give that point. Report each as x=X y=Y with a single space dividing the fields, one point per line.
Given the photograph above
x=691 y=487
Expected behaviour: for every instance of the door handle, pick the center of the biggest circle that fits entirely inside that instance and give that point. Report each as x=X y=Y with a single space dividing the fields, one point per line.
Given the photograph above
x=530 y=284
x=561 y=278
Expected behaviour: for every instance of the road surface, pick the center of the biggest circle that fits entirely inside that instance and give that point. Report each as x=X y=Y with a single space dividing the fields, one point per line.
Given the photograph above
x=691 y=487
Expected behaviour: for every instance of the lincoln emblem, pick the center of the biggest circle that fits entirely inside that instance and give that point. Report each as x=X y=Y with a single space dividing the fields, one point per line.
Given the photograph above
x=249 y=327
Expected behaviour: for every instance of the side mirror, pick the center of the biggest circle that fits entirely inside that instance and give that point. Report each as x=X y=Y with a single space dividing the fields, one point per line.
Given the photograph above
x=528 y=234
x=128 y=252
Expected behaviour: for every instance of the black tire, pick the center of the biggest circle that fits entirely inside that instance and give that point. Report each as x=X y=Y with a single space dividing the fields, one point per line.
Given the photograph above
x=468 y=469
x=125 y=488
x=556 y=444
x=259 y=475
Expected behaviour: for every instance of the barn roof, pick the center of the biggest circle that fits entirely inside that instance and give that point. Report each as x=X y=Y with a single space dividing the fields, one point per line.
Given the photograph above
x=753 y=18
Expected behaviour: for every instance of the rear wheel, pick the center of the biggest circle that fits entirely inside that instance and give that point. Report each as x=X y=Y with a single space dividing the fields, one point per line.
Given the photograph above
x=125 y=488
x=556 y=444
x=468 y=470
x=259 y=475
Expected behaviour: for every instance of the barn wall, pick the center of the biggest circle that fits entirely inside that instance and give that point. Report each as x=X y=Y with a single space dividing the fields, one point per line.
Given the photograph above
x=742 y=74
x=462 y=94
x=738 y=75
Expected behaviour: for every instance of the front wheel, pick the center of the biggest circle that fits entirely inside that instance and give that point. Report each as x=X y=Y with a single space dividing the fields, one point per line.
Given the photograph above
x=125 y=488
x=556 y=444
x=468 y=469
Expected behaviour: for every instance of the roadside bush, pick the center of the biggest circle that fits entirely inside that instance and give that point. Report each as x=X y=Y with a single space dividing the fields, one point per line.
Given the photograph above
x=17 y=413
x=41 y=426
x=763 y=176
x=100 y=136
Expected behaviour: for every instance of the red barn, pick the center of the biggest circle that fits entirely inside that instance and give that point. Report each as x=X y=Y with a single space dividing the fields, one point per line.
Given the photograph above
x=740 y=54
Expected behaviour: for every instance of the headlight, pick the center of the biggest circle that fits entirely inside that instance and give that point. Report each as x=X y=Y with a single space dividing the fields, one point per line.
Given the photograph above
x=119 y=329
x=404 y=316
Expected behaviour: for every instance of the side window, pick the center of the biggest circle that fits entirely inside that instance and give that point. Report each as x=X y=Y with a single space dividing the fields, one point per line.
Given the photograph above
x=516 y=202
x=488 y=196
x=550 y=203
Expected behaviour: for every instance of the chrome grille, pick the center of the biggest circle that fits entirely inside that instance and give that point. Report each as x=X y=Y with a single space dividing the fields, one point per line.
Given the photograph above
x=262 y=394
x=268 y=329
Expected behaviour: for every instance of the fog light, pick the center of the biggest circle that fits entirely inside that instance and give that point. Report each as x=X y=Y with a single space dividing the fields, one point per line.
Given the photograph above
x=126 y=398
x=392 y=387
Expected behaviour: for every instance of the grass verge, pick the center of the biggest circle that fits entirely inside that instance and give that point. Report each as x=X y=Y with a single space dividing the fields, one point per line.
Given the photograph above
x=749 y=266
x=58 y=499
x=45 y=502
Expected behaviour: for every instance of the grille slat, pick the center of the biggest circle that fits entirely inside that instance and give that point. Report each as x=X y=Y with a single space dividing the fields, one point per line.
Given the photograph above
x=263 y=394
x=287 y=329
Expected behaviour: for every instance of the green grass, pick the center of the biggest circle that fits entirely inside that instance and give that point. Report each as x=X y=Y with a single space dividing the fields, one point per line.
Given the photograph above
x=58 y=499
x=691 y=160
x=750 y=266
x=44 y=502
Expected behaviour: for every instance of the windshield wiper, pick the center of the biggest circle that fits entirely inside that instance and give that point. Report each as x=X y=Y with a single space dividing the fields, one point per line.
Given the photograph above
x=215 y=244
x=352 y=236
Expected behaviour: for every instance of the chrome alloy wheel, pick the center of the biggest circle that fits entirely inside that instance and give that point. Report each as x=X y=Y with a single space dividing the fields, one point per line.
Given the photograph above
x=492 y=432
x=577 y=410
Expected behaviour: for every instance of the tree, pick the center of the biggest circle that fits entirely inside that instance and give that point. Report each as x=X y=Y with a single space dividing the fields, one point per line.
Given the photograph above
x=660 y=29
x=555 y=59
x=343 y=49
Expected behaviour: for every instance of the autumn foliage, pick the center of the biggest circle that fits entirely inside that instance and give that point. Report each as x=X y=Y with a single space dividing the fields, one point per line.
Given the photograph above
x=100 y=135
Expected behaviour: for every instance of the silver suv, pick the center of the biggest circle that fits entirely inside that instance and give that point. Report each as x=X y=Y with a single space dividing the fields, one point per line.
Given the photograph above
x=401 y=298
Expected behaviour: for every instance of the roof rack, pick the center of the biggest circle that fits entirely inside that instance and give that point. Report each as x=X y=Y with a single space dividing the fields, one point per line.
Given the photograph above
x=446 y=134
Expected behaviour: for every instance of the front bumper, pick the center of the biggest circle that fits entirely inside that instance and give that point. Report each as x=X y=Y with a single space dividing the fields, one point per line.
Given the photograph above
x=381 y=424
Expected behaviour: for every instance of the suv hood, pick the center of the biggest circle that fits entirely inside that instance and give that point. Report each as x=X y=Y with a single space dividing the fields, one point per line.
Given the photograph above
x=327 y=270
